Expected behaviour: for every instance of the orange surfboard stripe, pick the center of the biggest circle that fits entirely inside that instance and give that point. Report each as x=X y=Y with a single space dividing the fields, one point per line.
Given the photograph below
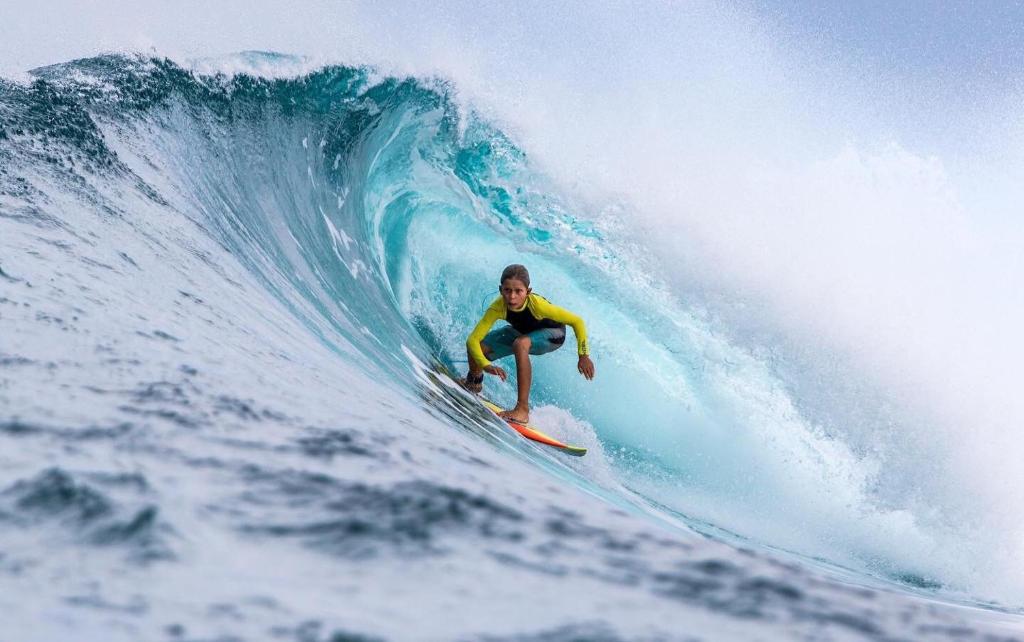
x=530 y=432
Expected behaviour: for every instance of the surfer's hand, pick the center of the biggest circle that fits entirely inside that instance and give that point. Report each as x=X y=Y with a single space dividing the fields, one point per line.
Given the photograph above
x=586 y=367
x=496 y=371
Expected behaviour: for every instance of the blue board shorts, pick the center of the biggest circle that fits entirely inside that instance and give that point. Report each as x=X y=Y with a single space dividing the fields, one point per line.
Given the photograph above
x=542 y=341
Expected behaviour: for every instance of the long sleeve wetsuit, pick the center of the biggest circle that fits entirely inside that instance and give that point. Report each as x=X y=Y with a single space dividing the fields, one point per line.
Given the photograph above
x=537 y=313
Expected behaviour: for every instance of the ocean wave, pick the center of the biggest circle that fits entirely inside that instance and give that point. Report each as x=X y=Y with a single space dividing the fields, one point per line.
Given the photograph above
x=247 y=293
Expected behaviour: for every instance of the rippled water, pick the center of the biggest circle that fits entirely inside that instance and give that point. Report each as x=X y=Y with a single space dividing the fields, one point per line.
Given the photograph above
x=228 y=308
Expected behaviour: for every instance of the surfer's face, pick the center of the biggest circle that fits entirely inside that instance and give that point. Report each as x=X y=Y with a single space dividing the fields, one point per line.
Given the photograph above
x=514 y=292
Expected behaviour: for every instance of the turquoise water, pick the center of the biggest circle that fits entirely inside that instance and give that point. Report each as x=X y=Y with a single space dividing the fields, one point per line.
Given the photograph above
x=231 y=304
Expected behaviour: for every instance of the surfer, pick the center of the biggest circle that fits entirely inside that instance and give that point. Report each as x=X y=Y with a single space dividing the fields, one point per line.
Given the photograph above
x=535 y=326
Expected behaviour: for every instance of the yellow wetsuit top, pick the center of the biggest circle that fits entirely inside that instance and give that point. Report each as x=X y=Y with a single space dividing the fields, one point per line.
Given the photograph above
x=542 y=312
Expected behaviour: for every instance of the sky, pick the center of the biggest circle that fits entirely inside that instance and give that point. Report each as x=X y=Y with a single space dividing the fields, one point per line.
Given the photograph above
x=981 y=40
x=970 y=39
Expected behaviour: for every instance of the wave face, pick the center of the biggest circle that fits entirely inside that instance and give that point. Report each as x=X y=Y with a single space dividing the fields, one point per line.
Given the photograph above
x=229 y=306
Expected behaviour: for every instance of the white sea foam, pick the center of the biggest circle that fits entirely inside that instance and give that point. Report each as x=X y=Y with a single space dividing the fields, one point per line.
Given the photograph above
x=860 y=267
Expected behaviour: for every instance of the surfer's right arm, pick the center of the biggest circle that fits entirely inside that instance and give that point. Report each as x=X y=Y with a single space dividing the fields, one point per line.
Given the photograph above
x=477 y=360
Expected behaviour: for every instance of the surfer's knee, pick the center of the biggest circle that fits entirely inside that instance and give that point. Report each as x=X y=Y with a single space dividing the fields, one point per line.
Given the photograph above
x=522 y=344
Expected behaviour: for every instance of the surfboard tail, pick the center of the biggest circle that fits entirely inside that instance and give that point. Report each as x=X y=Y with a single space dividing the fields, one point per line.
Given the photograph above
x=533 y=434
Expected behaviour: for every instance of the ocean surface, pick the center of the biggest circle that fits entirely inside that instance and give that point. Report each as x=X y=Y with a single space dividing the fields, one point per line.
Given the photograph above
x=231 y=307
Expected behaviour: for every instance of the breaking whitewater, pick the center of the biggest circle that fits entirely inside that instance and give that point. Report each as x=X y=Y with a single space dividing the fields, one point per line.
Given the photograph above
x=229 y=307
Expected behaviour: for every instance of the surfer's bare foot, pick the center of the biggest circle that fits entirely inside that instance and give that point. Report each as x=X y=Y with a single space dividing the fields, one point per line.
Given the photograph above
x=517 y=414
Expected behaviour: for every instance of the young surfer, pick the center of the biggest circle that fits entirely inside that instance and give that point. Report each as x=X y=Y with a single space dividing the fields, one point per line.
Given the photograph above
x=535 y=326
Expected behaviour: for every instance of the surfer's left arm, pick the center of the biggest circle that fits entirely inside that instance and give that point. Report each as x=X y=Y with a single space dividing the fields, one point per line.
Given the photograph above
x=561 y=315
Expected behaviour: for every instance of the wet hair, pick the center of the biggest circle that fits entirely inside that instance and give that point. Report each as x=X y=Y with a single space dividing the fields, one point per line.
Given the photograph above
x=516 y=271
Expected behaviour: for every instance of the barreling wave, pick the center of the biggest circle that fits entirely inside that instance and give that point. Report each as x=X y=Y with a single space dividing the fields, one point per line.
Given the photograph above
x=378 y=212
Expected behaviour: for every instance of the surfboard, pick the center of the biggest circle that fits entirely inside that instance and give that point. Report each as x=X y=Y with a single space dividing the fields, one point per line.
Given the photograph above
x=530 y=432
